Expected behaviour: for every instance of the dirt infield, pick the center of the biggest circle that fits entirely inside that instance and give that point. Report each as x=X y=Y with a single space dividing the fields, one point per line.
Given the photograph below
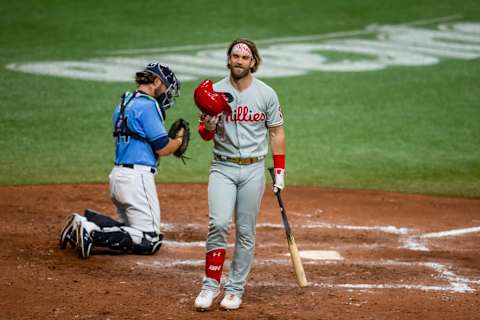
x=400 y=257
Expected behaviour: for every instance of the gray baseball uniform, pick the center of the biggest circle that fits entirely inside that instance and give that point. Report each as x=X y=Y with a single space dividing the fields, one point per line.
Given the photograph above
x=237 y=178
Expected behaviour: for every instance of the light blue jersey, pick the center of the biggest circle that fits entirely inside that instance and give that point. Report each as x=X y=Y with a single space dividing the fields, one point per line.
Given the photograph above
x=143 y=130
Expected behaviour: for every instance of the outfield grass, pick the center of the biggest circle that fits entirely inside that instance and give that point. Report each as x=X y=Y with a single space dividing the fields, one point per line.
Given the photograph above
x=400 y=129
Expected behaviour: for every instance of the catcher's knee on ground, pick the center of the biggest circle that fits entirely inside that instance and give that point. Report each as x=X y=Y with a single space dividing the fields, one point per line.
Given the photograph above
x=146 y=246
x=144 y=242
x=127 y=239
x=115 y=240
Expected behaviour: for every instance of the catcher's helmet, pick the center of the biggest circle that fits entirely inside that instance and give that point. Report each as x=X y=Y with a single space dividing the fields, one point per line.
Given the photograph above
x=209 y=101
x=167 y=99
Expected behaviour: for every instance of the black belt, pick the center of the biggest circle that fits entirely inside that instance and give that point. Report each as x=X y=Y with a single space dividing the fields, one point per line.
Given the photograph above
x=132 y=166
x=238 y=160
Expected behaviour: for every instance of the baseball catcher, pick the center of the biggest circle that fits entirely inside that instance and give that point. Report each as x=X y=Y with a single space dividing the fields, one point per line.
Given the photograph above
x=140 y=140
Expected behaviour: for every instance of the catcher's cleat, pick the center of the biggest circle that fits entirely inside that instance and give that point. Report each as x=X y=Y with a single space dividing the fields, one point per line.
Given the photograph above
x=67 y=233
x=231 y=301
x=204 y=300
x=85 y=241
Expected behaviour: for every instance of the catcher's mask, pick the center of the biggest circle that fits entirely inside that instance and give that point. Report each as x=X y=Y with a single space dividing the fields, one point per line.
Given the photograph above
x=166 y=99
x=209 y=101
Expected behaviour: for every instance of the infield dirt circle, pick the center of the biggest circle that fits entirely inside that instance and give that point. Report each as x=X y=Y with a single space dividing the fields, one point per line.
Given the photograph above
x=398 y=256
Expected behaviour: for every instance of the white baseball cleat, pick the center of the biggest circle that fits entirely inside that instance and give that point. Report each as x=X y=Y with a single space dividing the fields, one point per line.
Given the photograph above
x=231 y=301
x=205 y=298
x=68 y=232
x=85 y=241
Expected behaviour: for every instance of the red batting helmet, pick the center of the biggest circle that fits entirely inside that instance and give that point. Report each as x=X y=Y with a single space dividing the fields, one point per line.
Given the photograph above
x=209 y=101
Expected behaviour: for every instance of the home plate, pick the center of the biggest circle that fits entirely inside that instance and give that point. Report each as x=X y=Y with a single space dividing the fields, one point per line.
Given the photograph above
x=320 y=255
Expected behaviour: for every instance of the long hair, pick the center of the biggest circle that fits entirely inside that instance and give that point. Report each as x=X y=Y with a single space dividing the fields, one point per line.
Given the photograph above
x=253 y=48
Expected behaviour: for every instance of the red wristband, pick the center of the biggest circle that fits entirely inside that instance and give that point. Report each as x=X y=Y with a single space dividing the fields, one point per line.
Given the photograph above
x=279 y=161
x=204 y=133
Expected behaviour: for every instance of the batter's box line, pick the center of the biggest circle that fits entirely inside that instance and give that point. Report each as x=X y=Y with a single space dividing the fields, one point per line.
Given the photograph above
x=202 y=244
x=456 y=283
x=311 y=225
x=173 y=244
x=410 y=238
x=361 y=286
x=418 y=242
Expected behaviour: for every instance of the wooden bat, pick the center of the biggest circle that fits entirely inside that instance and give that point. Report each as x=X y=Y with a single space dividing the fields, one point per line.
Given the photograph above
x=292 y=246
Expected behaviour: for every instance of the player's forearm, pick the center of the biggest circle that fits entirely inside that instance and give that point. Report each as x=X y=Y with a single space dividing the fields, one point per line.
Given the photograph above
x=277 y=140
x=170 y=148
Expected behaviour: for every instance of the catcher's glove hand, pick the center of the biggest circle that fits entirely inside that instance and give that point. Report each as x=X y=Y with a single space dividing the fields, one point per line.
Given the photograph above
x=176 y=126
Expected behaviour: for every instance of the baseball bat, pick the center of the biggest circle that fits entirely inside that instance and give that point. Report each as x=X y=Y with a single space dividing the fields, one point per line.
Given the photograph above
x=292 y=246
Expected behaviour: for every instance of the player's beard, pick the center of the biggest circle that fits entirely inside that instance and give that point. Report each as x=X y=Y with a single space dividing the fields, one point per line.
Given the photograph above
x=158 y=92
x=238 y=72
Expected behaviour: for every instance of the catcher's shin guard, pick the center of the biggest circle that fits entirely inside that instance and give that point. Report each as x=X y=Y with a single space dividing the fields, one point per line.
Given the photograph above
x=147 y=247
x=115 y=240
x=121 y=240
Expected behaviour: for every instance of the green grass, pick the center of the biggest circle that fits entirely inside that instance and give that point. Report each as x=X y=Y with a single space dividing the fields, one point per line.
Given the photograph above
x=406 y=129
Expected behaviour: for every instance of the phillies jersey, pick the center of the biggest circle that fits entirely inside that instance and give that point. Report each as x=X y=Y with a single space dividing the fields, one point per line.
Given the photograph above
x=243 y=133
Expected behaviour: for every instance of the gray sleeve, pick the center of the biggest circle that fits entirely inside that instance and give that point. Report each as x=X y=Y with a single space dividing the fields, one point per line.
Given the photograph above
x=274 y=112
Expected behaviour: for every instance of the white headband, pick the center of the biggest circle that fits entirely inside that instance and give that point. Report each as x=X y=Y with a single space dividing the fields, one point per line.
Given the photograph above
x=242 y=48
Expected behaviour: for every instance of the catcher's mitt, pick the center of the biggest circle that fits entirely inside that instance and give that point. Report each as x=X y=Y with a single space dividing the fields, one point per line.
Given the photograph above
x=173 y=132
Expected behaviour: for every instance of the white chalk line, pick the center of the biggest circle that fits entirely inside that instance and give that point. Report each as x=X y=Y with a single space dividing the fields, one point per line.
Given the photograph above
x=313 y=225
x=183 y=244
x=414 y=243
x=170 y=226
x=410 y=240
x=417 y=242
x=193 y=244
x=361 y=286
x=262 y=245
x=450 y=233
x=358 y=286
x=202 y=244
x=172 y=263
x=385 y=229
x=324 y=36
x=456 y=283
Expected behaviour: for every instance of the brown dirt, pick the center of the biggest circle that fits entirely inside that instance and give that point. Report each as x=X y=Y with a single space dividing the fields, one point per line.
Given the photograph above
x=40 y=281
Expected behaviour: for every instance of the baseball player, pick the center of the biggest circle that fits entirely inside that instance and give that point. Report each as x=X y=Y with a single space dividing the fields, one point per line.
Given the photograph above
x=237 y=179
x=140 y=139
